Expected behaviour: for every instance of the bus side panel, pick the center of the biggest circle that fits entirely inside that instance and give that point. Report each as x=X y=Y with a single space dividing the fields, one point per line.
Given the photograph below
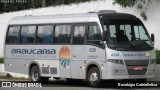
x=49 y=68
x=96 y=56
x=77 y=61
x=17 y=65
x=18 y=59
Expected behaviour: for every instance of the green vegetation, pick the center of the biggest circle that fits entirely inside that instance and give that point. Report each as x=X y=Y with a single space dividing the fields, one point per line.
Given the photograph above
x=16 y=5
x=1 y=60
x=141 y=5
x=158 y=56
x=13 y=78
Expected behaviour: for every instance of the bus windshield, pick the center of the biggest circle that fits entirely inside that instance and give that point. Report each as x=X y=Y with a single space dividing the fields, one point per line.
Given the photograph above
x=125 y=34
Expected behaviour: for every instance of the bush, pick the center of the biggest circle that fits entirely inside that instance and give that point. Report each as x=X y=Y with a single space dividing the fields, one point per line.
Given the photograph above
x=158 y=56
x=1 y=60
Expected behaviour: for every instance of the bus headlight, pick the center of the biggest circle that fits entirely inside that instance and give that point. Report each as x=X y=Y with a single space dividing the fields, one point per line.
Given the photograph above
x=153 y=61
x=117 y=61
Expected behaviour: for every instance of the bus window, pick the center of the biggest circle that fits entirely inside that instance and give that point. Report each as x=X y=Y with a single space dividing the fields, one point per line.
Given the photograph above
x=45 y=34
x=94 y=35
x=79 y=32
x=127 y=30
x=112 y=31
x=62 y=34
x=13 y=35
x=28 y=34
x=140 y=34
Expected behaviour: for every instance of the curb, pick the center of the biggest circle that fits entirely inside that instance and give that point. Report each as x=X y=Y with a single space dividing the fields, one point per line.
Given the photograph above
x=3 y=74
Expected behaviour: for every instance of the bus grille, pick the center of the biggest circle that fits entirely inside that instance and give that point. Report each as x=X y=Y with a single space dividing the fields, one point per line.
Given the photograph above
x=53 y=70
x=131 y=71
x=45 y=70
x=132 y=63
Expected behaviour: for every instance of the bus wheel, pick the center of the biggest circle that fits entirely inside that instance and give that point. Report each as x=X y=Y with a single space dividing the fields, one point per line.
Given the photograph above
x=93 y=77
x=35 y=75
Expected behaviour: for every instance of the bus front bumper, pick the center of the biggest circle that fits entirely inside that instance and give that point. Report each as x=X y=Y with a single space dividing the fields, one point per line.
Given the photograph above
x=118 y=71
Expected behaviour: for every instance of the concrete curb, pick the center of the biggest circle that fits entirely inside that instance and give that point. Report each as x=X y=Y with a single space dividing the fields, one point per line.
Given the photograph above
x=2 y=68
x=3 y=73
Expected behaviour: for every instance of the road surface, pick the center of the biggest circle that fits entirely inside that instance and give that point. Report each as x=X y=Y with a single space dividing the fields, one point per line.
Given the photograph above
x=63 y=85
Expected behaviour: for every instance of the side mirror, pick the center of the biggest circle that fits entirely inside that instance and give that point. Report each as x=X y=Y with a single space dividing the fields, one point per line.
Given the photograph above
x=152 y=37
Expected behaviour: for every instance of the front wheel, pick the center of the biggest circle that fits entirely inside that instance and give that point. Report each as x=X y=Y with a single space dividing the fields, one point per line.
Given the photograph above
x=35 y=75
x=93 y=77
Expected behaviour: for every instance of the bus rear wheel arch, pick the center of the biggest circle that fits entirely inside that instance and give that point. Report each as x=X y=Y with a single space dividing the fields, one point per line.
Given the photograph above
x=34 y=74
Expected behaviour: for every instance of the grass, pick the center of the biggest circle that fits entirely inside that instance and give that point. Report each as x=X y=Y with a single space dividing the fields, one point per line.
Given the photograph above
x=13 y=78
x=1 y=60
x=158 y=56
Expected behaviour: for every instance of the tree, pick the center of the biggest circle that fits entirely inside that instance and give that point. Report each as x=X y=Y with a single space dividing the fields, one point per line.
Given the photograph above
x=17 y=5
x=142 y=5
x=43 y=3
x=1 y=7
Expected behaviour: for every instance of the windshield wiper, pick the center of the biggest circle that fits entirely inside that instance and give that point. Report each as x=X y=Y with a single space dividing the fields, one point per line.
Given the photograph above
x=140 y=44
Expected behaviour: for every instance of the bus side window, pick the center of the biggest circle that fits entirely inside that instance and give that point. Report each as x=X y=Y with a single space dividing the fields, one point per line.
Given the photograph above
x=62 y=34
x=13 y=35
x=79 y=32
x=45 y=34
x=94 y=35
x=28 y=34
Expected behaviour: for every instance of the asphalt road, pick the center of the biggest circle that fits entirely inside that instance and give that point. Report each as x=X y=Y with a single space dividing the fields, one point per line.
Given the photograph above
x=63 y=85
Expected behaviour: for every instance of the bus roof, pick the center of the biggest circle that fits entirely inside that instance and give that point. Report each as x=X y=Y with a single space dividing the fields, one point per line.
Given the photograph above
x=67 y=18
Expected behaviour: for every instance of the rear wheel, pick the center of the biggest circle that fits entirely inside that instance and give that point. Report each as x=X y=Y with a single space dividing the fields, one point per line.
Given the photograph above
x=93 y=77
x=35 y=75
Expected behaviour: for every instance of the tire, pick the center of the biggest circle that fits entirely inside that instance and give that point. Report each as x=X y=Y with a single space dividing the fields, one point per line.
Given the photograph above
x=35 y=75
x=93 y=77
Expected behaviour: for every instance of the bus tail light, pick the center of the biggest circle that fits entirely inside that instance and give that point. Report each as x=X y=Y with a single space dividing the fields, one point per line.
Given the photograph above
x=25 y=65
x=49 y=66
x=9 y=64
x=82 y=67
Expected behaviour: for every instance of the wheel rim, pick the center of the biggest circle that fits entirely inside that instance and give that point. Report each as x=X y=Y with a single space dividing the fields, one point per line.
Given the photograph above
x=35 y=75
x=93 y=77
